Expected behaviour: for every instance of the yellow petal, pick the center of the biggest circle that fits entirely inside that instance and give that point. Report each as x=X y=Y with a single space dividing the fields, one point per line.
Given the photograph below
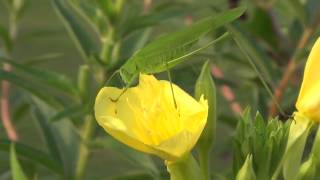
x=178 y=145
x=146 y=118
x=310 y=104
x=309 y=99
x=116 y=119
x=187 y=105
x=311 y=72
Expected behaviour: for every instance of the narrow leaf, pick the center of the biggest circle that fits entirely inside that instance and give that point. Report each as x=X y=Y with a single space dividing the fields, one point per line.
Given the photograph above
x=32 y=154
x=134 y=157
x=16 y=169
x=47 y=77
x=69 y=112
x=255 y=52
x=206 y=89
x=48 y=134
x=76 y=28
x=298 y=133
x=31 y=88
x=65 y=134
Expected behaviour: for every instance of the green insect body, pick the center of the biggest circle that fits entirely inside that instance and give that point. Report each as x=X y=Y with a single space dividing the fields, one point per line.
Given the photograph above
x=151 y=63
x=169 y=50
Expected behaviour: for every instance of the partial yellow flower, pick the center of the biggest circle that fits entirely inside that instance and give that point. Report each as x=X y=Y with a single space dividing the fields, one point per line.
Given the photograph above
x=309 y=98
x=146 y=119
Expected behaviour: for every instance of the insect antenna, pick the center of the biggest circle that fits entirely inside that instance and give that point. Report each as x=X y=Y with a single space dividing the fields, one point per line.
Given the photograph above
x=260 y=77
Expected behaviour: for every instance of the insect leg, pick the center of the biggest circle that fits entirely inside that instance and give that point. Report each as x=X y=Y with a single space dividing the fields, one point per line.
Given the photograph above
x=169 y=76
x=125 y=89
x=107 y=82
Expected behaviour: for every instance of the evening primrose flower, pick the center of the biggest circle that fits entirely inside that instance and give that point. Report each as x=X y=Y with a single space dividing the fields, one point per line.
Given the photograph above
x=145 y=117
x=308 y=112
x=308 y=103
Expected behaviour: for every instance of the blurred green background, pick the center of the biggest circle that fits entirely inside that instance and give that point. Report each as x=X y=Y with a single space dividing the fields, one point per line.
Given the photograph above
x=271 y=31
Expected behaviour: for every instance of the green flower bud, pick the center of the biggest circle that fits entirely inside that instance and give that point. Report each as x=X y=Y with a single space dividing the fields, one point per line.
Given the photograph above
x=246 y=172
x=83 y=81
x=185 y=168
x=298 y=133
x=206 y=87
x=308 y=169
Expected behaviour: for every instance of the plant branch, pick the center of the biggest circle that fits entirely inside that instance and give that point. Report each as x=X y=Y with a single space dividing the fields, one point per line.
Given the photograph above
x=84 y=151
x=291 y=67
x=5 y=85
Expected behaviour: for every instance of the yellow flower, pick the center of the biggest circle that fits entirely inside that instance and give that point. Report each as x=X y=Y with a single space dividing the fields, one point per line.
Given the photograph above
x=146 y=119
x=308 y=102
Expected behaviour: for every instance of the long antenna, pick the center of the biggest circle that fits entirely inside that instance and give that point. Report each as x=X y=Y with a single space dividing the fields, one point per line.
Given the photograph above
x=260 y=76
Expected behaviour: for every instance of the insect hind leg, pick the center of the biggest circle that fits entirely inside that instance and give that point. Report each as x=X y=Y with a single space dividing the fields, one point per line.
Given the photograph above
x=171 y=86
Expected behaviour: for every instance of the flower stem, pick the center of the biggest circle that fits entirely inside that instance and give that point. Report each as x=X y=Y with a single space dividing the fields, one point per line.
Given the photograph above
x=316 y=151
x=186 y=168
x=84 y=151
x=204 y=160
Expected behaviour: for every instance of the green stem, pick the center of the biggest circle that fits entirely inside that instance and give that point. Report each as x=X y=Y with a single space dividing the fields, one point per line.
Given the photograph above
x=119 y=5
x=186 y=168
x=108 y=42
x=204 y=160
x=316 y=151
x=291 y=160
x=84 y=152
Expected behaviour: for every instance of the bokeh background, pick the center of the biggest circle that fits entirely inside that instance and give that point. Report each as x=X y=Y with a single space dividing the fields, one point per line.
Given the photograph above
x=277 y=34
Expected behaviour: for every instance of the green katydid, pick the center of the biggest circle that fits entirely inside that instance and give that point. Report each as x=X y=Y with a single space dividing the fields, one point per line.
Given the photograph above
x=172 y=49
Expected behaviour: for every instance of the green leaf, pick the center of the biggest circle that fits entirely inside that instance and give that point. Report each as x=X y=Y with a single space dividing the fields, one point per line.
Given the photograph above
x=206 y=89
x=134 y=157
x=133 y=43
x=169 y=50
x=32 y=154
x=69 y=112
x=251 y=57
x=65 y=134
x=76 y=28
x=31 y=88
x=262 y=25
x=108 y=8
x=316 y=151
x=299 y=131
x=132 y=176
x=50 y=78
x=153 y=18
x=4 y=35
x=246 y=172
x=264 y=140
x=298 y=8
x=48 y=133
x=312 y=10
x=84 y=82
x=308 y=169
x=185 y=168
x=40 y=59
x=16 y=169
x=254 y=51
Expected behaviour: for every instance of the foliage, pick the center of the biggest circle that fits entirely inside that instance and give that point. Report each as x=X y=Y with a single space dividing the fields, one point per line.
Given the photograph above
x=57 y=54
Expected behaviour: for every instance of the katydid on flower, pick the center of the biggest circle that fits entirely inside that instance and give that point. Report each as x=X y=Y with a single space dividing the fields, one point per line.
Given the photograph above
x=172 y=49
